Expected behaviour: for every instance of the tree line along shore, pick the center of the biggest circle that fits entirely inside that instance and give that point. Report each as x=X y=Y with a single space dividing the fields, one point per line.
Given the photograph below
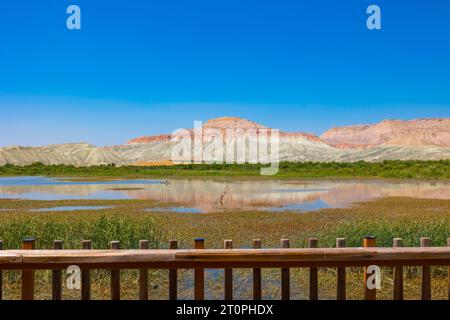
x=408 y=169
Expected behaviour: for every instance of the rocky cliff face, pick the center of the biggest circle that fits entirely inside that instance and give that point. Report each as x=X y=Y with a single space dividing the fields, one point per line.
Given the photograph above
x=425 y=139
x=148 y=139
x=232 y=123
x=229 y=125
x=419 y=133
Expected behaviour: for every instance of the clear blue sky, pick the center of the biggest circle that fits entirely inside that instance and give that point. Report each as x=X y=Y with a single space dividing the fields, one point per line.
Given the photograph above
x=144 y=67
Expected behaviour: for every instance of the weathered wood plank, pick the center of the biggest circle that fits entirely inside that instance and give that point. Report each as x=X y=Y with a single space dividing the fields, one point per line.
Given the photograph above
x=199 y=274
x=369 y=294
x=57 y=275
x=398 y=274
x=143 y=275
x=220 y=258
x=285 y=276
x=313 y=274
x=448 y=271
x=86 y=275
x=28 y=274
x=115 y=275
x=341 y=275
x=228 y=275
x=8 y=257
x=256 y=274
x=173 y=275
x=426 y=273
x=1 y=274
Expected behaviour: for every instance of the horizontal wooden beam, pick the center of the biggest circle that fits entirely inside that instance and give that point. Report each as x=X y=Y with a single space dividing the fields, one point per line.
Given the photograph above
x=221 y=258
x=7 y=257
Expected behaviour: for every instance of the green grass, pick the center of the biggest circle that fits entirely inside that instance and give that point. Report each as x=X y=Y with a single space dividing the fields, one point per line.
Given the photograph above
x=406 y=228
x=122 y=221
x=100 y=229
x=386 y=169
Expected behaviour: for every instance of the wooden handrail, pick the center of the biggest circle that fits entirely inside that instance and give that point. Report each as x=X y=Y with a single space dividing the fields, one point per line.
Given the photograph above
x=28 y=260
x=223 y=258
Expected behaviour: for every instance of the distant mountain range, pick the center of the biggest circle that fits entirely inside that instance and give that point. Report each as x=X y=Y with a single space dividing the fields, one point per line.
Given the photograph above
x=422 y=139
x=421 y=132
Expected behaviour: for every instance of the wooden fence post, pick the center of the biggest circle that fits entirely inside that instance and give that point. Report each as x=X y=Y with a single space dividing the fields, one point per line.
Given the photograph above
x=313 y=274
x=57 y=275
x=369 y=294
x=143 y=275
x=398 y=274
x=86 y=275
x=426 y=273
x=199 y=274
x=173 y=274
x=448 y=271
x=341 y=276
x=256 y=274
x=28 y=275
x=115 y=275
x=1 y=274
x=285 y=276
x=228 y=274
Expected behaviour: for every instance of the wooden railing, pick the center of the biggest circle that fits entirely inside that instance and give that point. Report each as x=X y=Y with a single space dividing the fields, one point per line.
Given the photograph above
x=28 y=260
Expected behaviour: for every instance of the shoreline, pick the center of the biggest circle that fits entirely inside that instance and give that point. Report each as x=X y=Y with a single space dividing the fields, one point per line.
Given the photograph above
x=93 y=178
x=394 y=169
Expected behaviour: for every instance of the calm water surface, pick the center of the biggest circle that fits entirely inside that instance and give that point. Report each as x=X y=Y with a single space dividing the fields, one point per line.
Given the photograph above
x=71 y=208
x=214 y=195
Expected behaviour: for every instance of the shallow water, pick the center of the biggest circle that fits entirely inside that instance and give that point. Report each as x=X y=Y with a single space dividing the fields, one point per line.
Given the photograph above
x=175 y=209
x=71 y=208
x=305 y=206
x=216 y=195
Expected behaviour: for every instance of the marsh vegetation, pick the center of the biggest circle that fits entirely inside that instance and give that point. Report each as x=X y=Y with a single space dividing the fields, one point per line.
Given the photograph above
x=411 y=169
x=128 y=222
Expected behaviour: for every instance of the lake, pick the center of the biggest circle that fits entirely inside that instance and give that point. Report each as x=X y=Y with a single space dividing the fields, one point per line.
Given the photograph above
x=214 y=195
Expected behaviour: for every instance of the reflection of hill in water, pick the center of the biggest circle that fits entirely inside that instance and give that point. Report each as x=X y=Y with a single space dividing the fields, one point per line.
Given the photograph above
x=206 y=195
x=346 y=194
